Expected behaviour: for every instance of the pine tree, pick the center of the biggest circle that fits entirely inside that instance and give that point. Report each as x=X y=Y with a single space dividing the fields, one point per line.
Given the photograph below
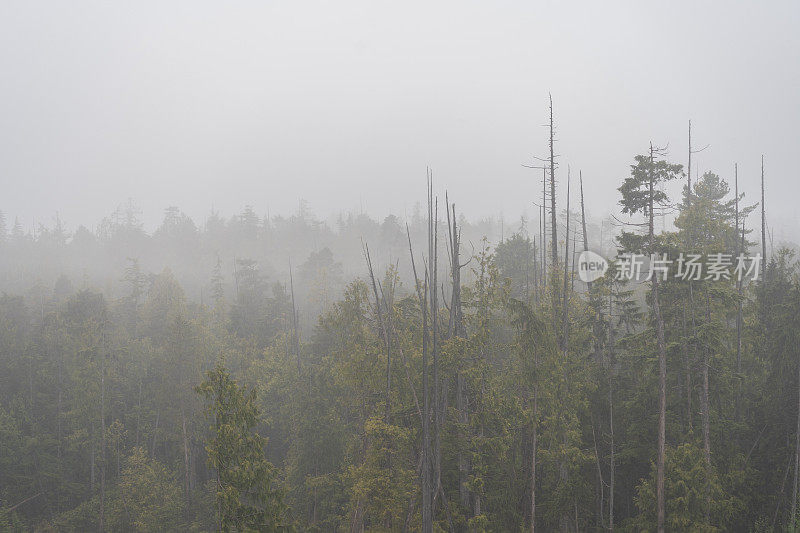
x=246 y=493
x=641 y=195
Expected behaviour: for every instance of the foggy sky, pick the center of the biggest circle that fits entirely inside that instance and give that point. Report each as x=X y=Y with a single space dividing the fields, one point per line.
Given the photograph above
x=209 y=104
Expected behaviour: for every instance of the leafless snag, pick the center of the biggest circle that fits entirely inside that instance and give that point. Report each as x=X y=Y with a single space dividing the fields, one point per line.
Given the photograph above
x=384 y=329
x=295 y=335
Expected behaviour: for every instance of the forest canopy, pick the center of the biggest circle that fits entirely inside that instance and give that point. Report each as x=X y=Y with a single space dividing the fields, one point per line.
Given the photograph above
x=271 y=373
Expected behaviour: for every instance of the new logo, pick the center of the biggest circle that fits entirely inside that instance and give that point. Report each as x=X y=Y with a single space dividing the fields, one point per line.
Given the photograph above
x=591 y=266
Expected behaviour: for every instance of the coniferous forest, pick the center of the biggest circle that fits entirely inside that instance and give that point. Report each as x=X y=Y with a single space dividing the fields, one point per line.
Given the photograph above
x=446 y=383
x=554 y=310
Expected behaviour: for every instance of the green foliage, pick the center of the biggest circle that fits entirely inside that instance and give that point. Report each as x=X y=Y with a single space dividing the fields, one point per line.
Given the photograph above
x=246 y=494
x=635 y=189
x=148 y=497
x=646 y=174
x=383 y=482
x=689 y=487
x=99 y=421
x=514 y=259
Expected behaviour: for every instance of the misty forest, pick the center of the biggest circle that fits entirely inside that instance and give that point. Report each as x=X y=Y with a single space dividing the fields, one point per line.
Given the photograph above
x=257 y=372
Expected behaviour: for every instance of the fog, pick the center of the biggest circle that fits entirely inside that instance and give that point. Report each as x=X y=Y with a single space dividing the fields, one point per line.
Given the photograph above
x=206 y=106
x=284 y=266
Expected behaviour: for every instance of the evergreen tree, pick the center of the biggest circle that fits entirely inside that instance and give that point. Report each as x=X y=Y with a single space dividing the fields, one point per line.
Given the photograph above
x=247 y=497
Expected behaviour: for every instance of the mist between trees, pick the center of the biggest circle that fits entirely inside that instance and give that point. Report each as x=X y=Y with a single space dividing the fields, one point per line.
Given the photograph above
x=325 y=255
x=282 y=373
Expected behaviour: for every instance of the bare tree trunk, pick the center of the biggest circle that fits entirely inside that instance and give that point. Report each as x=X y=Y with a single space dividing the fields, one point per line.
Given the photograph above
x=388 y=329
x=783 y=486
x=796 y=455
x=597 y=324
x=543 y=220
x=763 y=224
x=102 y=438
x=463 y=458
x=613 y=466
x=186 y=466
x=662 y=404
x=739 y=250
x=384 y=332
x=611 y=413
x=564 y=345
x=564 y=342
x=689 y=165
x=564 y=299
x=572 y=268
x=688 y=367
x=738 y=285
x=427 y=518
x=535 y=274
x=357 y=522
x=535 y=438
x=26 y=500
x=553 y=230
x=31 y=409
x=456 y=311
x=707 y=418
x=600 y=483
x=412 y=499
x=433 y=217
x=139 y=413
x=60 y=394
x=422 y=295
x=662 y=372
x=583 y=227
x=456 y=329
x=688 y=244
x=295 y=336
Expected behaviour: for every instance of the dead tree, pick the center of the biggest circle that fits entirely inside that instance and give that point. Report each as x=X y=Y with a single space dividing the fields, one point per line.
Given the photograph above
x=611 y=412
x=553 y=229
x=689 y=165
x=687 y=367
x=564 y=299
x=544 y=228
x=706 y=419
x=433 y=252
x=598 y=313
x=295 y=335
x=688 y=357
x=422 y=295
x=553 y=223
x=540 y=275
x=533 y=461
x=456 y=328
x=534 y=440
x=796 y=454
x=763 y=224
x=103 y=351
x=739 y=250
x=583 y=225
x=418 y=289
x=383 y=327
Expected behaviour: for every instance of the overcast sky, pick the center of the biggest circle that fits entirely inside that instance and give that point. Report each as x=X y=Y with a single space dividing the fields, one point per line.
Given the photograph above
x=222 y=104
